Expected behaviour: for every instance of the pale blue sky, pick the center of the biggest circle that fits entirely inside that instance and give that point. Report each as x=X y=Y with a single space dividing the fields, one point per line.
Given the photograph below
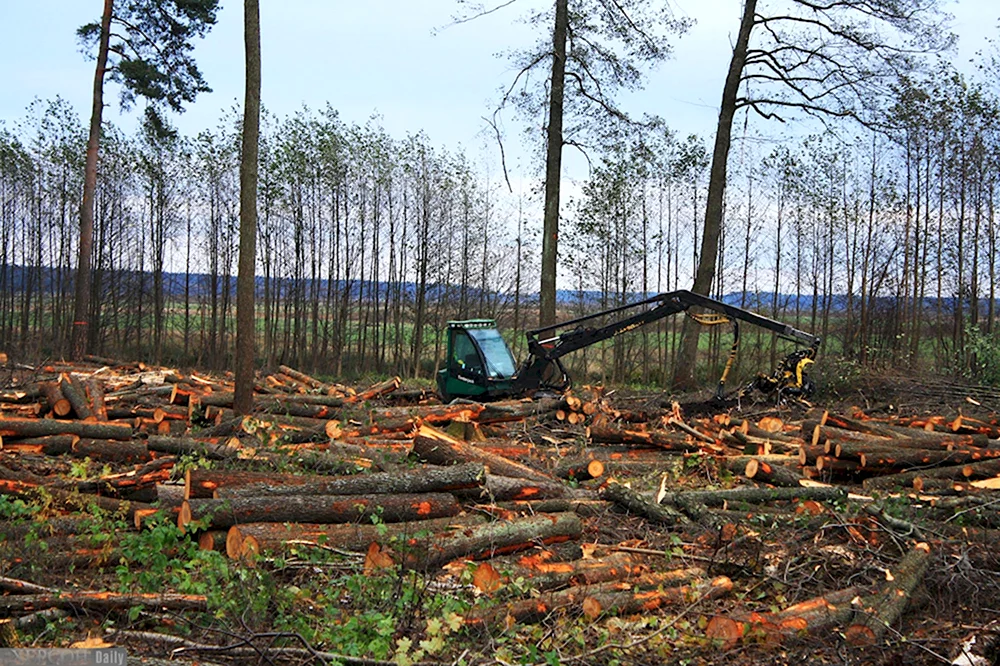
x=389 y=57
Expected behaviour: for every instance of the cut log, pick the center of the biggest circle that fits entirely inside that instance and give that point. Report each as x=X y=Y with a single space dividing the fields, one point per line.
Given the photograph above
x=632 y=502
x=224 y=513
x=95 y=391
x=506 y=488
x=57 y=402
x=246 y=541
x=978 y=470
x=493 y=539
x=50 y=445
x=432 y=414
x=111 y=450
x=10 y=427
x=774 y=474
x=883 y=609
x=517 y=410
x=668 y=441
x=616 y=598
x=756 y=495
x=216 y=448
x=380 y=389
x=812 y=616
x=101 y=601
x=301 y=377
x=578 y=469
x=423 y=480
x=439 y=448
x=74 y=391
x=213 y=540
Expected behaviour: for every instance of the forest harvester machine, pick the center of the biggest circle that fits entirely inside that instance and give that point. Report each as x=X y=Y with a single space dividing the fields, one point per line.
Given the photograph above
x=480 y=365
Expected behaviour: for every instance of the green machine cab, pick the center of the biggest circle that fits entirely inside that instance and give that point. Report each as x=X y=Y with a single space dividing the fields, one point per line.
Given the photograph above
x=479 y=363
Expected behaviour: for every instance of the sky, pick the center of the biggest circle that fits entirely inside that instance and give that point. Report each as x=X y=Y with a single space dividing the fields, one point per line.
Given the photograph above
x=401 y=60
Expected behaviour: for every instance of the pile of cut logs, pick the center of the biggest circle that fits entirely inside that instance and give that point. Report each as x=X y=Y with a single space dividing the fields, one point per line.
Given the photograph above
x=403 y=480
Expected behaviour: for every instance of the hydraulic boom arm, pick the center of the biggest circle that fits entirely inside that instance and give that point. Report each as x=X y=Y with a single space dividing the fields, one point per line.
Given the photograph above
x=543 y=368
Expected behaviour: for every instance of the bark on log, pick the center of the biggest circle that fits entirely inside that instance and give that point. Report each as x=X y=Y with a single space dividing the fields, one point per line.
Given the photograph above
x=245 y=541
x=224 y=513
x=218 y=448
x=49 y=445
x=756 y=495
x=377 y=390
x=632 y=502
x=774 y=474
x=493 y=539
x=578 y=469
x=882 y=610
x=581 y=507
x=668 y=441
x=73 y=389
x=516 y=410
x=57 y=402
x=424 y=480
x=439 y=448
x=613 y=599
x=506 y=488
x=977 y=470
x=101 y=601
x=95 y=390
x=806 y=617
x=40 y=427
x=111 y=450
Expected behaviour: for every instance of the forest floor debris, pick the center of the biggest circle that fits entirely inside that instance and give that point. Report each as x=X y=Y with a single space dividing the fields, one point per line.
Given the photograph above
x=369 y=525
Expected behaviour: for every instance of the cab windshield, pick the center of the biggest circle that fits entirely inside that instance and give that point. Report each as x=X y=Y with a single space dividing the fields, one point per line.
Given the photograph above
x=499 y=362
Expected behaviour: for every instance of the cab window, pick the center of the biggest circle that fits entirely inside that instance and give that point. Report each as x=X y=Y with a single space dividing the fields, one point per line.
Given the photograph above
x=464 y=354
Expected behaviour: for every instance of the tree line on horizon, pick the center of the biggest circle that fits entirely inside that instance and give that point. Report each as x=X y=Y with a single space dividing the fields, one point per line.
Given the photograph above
x=884 y=223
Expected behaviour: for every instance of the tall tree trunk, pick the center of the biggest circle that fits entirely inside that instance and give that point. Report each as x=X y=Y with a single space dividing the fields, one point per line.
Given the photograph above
x=245 y=320
x=714 y=207
x=553 y=168
x=81 y=310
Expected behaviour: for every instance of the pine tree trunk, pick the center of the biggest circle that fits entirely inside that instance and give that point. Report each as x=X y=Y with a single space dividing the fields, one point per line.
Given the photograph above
x=245 y=333
x=553 y=167
x=714 y=208
x=81 y=310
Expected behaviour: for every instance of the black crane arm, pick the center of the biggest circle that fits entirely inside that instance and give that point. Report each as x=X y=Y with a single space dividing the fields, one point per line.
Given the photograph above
x=544 y=369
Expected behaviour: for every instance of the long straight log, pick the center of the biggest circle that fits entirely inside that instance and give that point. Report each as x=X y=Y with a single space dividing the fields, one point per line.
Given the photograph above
x=505 y=489
x=616 y=599
x=224 y=513
x=49 y=445
x=424 y=480
x=806 y=617
x=756 y=495
x=632 y=502
x=668 y=441
x=216 y=448
x=517 y=410
x=439 y=448
x=101 y=601
x=112 y=450
x=978 y=470
x=882 y=610
x=492 y=539
x=243 y=541
x=11 y=427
